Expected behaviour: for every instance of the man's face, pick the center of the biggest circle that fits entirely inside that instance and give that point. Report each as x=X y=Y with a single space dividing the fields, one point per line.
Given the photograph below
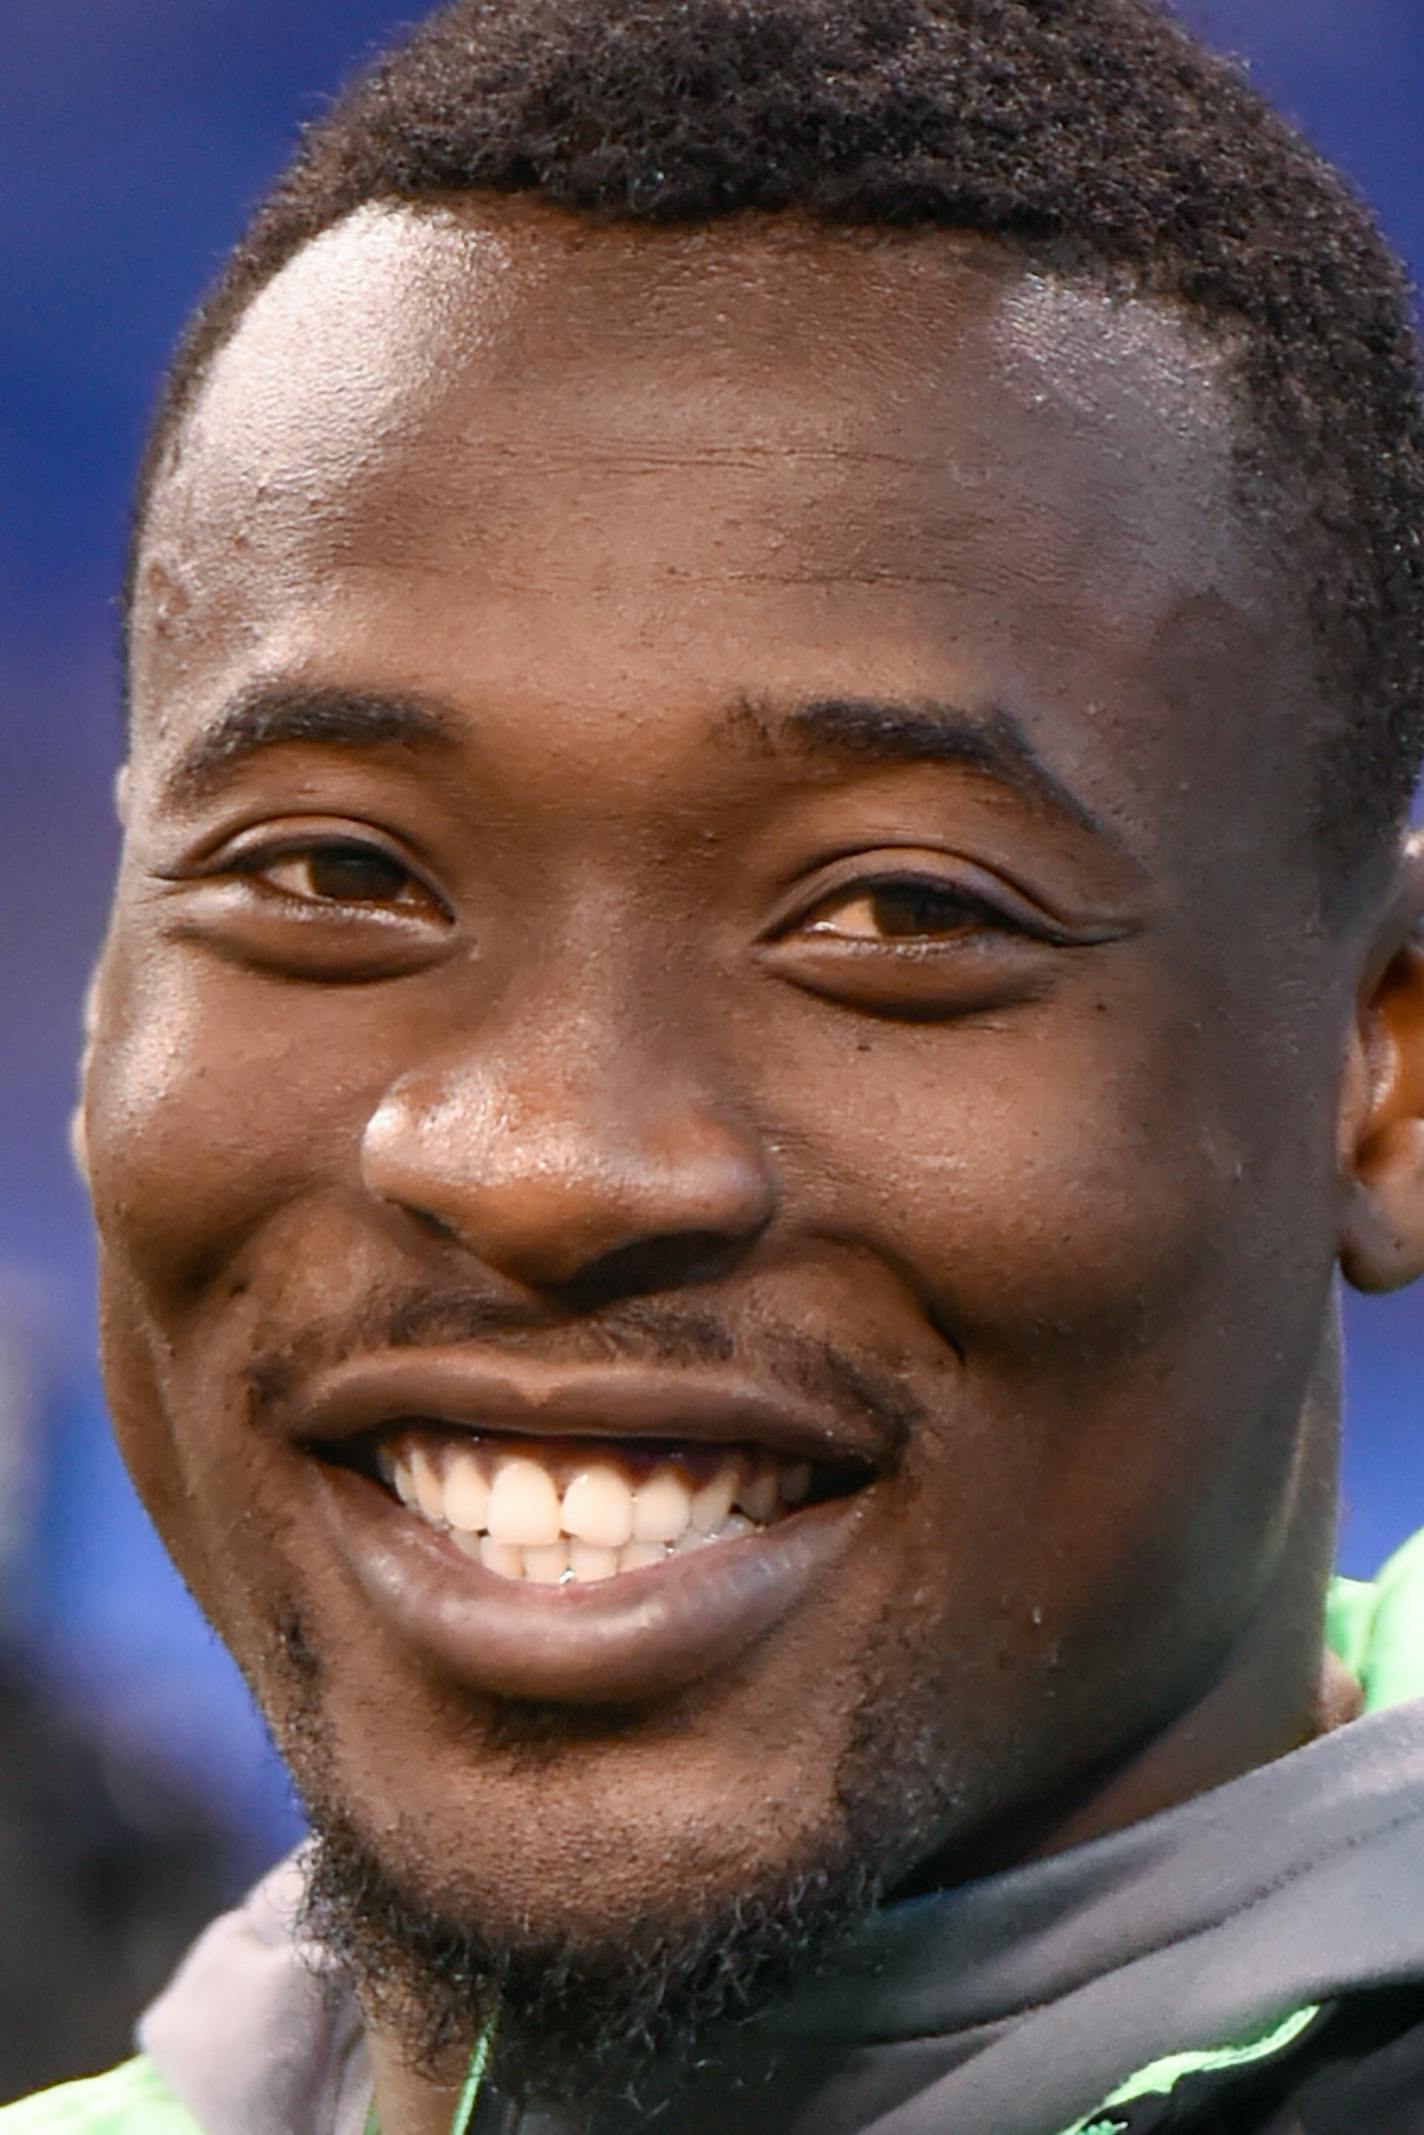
x=715 y=880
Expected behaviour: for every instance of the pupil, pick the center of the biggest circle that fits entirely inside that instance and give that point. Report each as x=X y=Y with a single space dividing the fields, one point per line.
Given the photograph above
x=347 y=874
x=914 y=911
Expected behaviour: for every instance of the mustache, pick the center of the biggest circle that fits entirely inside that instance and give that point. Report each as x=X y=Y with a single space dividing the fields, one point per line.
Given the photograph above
x=635 y=1331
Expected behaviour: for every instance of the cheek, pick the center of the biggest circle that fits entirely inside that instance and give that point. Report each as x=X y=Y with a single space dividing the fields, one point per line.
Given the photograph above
x=1106 y=1240
x=211 y=1104
x=215 y=1494
x=1030 y=1174
x=1129 y=1165
x=219 y=1127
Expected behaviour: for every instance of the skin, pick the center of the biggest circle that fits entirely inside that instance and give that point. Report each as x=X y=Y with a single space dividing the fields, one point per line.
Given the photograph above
x=631 y=1031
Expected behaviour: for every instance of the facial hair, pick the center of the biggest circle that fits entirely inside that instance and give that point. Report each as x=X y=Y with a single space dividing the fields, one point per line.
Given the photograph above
x=589 y=2023
x=579 y=2017
x=576 y=2021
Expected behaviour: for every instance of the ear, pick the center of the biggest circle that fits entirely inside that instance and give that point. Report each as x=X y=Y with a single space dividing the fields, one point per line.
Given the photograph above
x=78 y=1131
x=89 y=1014
x=1382 y=1246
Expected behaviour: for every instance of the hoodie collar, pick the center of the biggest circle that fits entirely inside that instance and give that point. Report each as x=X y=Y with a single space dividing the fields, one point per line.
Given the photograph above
x=1004 y=2007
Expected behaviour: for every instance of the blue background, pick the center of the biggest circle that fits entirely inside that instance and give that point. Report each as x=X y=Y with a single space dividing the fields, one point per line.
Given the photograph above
x=134 y=134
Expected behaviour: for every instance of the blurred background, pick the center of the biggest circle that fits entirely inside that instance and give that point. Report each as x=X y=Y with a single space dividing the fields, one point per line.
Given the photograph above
x=135 y=1785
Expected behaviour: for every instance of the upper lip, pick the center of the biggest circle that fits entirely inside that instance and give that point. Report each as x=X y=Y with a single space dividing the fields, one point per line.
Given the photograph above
x=529 y=1399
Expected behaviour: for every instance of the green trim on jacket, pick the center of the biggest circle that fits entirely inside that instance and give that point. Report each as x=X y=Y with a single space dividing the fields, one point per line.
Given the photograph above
x=1376 y=1628
x=130 y=2100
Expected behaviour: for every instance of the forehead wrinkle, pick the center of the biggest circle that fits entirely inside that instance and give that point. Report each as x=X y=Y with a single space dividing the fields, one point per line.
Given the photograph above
x=344 y=310
x=410 y=309
x=674 y=401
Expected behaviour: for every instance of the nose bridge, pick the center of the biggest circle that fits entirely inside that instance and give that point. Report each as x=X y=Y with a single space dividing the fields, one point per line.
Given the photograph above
x=571 y=1124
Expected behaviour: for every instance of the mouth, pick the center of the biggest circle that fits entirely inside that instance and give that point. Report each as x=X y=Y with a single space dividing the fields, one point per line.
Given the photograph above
x=566 y=1512
x=587 y=1536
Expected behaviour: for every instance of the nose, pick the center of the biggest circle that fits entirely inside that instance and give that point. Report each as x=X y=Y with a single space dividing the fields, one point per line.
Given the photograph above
x=571 y=1165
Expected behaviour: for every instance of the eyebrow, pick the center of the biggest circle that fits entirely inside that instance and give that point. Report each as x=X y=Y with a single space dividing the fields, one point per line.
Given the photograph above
x=272 y=715
x=277 y=715
x=883 y=731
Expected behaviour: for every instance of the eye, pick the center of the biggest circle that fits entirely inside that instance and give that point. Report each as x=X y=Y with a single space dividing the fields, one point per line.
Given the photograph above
x=341 y=871
x=902 y=911
x=892 y=938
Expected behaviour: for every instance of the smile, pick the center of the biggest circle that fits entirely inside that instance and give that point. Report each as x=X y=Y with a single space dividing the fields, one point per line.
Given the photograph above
x=570 y=1513
x=537 y=1533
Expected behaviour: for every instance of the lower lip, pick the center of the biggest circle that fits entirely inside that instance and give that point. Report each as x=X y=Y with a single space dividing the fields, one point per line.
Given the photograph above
x=638 y=1635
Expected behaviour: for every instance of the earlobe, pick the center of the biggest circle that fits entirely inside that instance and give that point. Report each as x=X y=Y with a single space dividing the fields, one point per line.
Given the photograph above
x=1382 y=1244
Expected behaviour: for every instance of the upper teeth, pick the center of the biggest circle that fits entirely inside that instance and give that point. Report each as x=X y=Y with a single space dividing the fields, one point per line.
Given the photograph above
x=588 y=1522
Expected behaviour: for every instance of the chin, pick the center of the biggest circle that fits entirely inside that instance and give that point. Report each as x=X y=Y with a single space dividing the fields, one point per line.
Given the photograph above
x=573 y=1842
x=572 y=1823
x=589 y=2001
x=603 y=1889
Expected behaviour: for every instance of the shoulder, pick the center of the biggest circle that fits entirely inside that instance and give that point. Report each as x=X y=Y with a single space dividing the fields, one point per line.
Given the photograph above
x=131 y=2100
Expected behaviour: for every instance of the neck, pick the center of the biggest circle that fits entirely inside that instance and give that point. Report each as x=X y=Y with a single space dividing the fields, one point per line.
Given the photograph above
x=407 y=2102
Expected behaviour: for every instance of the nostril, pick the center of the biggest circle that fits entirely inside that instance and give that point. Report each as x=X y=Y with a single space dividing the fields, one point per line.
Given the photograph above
x=672 y=1261
x=436 y=1225
x=595 y=1192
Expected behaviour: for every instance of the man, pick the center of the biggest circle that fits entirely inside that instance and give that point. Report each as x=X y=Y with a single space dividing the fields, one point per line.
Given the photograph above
x=766 y=956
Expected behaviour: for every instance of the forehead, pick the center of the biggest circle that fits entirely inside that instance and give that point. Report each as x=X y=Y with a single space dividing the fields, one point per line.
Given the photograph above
x=406 y=329
x=745 y=456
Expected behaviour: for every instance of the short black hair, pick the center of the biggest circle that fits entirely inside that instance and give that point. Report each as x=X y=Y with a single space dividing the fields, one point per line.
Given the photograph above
x=1097 y=135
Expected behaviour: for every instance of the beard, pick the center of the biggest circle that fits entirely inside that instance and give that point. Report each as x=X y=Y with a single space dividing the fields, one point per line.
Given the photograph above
x=575 y=2018
x=588 y=2020
x=585 y=2015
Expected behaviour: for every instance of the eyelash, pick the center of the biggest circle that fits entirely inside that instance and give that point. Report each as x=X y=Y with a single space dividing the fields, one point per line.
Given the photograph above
x=978 y=912
x=972 y=913
x=973 y=938
x=265 y=859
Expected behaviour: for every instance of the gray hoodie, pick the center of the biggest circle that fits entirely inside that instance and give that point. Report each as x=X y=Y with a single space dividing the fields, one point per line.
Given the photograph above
x=1012 y=2006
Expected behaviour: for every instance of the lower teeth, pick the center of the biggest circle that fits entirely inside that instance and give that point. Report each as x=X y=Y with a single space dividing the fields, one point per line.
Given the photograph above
x=570 y=1563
